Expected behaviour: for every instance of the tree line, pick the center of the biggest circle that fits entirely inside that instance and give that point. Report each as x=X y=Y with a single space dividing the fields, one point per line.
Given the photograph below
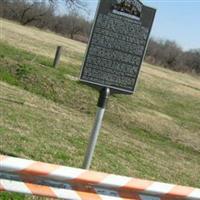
x=168 y=54
x=44 y=15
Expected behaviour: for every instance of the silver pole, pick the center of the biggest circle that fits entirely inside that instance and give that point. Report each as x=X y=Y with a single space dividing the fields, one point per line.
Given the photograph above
x=104 y=94
x=93 y=138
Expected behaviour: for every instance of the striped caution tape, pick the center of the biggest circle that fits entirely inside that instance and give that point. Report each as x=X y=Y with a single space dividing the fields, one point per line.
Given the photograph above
x=36 y=178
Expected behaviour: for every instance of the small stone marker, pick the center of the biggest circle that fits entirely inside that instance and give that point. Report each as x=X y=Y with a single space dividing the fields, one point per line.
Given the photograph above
x=57 y=56
x=117 y=45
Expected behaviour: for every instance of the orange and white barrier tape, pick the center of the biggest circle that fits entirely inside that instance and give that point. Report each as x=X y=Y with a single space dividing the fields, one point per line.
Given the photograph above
x=36 y=178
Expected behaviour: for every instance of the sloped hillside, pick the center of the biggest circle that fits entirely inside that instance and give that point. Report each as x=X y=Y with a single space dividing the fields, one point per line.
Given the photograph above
x=46 y=114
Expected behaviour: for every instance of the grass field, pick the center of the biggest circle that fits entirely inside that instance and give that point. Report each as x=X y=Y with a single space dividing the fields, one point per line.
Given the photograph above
x=46 y=114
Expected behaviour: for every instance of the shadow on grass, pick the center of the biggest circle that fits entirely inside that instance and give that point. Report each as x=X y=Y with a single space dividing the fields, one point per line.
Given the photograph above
x=8 y=154
x=12 y=101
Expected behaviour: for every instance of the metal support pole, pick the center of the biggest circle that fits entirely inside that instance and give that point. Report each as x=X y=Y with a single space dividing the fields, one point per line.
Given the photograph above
x=104 y=94
x=57 y=56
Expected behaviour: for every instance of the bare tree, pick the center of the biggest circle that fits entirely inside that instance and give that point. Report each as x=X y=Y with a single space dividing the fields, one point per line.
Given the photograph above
x=3 y=6
x=172 y=54
x=71 y=3
x=191 y=59
x=25 y=11
x=168 y=54
x=35 y=12
x=72 y=24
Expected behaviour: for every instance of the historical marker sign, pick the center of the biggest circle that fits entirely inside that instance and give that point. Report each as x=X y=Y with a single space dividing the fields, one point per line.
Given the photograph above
x=117 y=45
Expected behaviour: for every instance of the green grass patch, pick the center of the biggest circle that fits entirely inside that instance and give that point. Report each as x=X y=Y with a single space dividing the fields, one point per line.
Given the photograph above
x=153 y=134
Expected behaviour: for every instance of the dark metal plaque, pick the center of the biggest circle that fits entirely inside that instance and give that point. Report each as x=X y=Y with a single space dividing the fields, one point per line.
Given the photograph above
x=117 y=45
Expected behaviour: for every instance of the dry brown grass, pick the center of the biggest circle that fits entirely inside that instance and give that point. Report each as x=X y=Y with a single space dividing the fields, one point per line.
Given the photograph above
x=45 y=43
x=40 y=42
x=153 y=134
x=42 y=130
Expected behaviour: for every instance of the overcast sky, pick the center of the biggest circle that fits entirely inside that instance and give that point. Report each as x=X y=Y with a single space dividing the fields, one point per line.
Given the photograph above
x=177 y=20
